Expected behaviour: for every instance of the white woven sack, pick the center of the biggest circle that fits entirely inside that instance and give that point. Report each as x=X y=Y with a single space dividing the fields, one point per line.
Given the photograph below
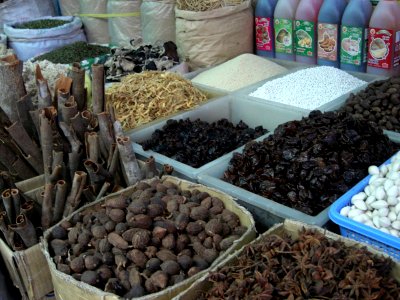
x=69 y=7
x=96 y=28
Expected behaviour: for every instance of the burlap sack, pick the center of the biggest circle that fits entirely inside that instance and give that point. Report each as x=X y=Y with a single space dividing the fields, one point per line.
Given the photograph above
x=213 y=37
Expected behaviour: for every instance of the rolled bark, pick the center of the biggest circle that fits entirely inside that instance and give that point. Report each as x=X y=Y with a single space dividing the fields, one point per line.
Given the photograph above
x=27 y=209
x=24 y=141
x=24 y=106
x=74 y=198
x=118 y=131
x=129 y=164
x=112 y=161
x=11 y=85
x=25 y=229
x=8 y=234
x=86 y=118
x=8 y=205
x=78 y=86
x=150 y=168
x=16 y=197
x=58 y=159
x=74 y=159
x=46 y=141
x=59 y=203
x=168 y=169
x=92 y=141
x=106 y=129
x=62 y=98
x=69 y=110
x=98 y=88
x=63 y=83
x=103 y=190
x=44 y=95
x=55 y=174
x=89 y=193
x=35 y=120
x=47 y=206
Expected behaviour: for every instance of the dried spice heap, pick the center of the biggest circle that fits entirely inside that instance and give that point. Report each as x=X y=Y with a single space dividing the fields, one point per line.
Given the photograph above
x=379 y=103
x=41 y=24
x=137 y=245
x=308 y=164
x=197 y=143
x=313 y=267
x=75 y=52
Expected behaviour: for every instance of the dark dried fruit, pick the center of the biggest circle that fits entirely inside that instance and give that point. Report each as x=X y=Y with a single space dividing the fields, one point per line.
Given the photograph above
x=117 y=241
x=117 y=215
x=120 y=228
x=64 y=269
x=104 y=273
x=169 y=242
x=99 y=231
x=140 y=221
x=89 y=277
x=185 y=262
x=59 y=232
x=159 y=232
x=92 y=262
x=181 y=221
x=138 y=258
x=165 y=255
x=59 y=247
x=227 y=242
x=141 y=239
x=170 y=267
x=77 y=265
x=153 y=264
x=109 y=226
x=213 y=227
x=199 y=213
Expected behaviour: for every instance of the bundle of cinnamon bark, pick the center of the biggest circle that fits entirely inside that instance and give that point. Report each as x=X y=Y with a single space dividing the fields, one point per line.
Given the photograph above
x=80 y=148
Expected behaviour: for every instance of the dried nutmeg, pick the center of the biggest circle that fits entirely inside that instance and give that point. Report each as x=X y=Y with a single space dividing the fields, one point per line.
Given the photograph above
x=138 y=258
x=141 y=239
x=135 y=292
x=121 y=202
x=108 y=258
x=77 y=217
x=59 y=247
x=140 y=221
x=216 y=241
x=161 y=188
x=227 y=242
x=185 y=209
x=230 y=218
x=199 y=213
x=117 y=241
x=172 y=206
x=181 y=221
x=185 y=262
x=181 y=242
x=215 y=210
x=153 y=264
x=116 y=251
x=123 y=277
x=165 y=255
x=66 y=224
x=202 y=236
x=73 y=235
x=200 y=262
x=64 y=269
x=104 y=273
x=109 y=226
x=77 y=265
x=207 y=202
x=104 y=246
x=177 y=278
x=92 y=262
x=137 y=207
x=89 y=277
x=59 y=232
x=120 y=228
x=128 y=234
x=167 y=224
x=151 y=251
x=99 y=231
x=84 y=237
x=194 y=228
x=208 y=242
x=187 y=252
x=169 y=242
x=155 y=210
x=193 y=271
x=170 y=267
x=159 y=232
x=102 y=217
x=117 y=215
x=213 y=227
x=159 y=279
x=120 y=260
x=77 y=249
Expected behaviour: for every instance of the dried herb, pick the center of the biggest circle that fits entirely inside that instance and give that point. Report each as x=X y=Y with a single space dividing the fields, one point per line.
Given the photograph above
x=378 y=103
x=308 y=164
x=41 y=24
x=312 y=267
x=75 y=52
x=197 y=142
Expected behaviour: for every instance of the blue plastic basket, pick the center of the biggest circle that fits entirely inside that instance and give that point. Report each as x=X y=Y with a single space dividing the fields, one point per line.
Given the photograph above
x=359 y=231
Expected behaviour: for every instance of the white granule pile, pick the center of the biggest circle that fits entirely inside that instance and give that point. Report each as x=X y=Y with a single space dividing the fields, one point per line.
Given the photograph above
x=239 y=72
x=309 y=88
x=51 y=72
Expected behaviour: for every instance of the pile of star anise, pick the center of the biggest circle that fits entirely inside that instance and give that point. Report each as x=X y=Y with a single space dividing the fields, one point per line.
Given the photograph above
x=312 y=267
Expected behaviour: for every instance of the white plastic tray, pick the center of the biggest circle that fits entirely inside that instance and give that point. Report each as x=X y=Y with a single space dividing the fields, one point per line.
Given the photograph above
x=230 y=107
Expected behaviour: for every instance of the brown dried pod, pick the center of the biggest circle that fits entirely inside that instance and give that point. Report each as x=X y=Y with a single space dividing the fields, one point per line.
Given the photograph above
x=84 y=237
x=181 y=242
x=169 y=242
x=166 y=198
x=194 y=228
x=64 y=269
x=215 y=210
x=170 y=267
x=104 y=272
x=208 y=243
x=146 y=195
x=141 y=239
x=113 y=286
x=194 y=239
x=167 y=224
x=102 y=217
x=217 y=202
x=210 y=255
x=155 y=210
x=123 y=276
x=165 y=255
x=172 y=206
x=108 y=258
x=128 y=234
x=150 y=287
x=170 y=185
x=136 y=194
x=153 y=264
x=193 y=271
x=172 y=192
x=77 y=249
x=151 y=251
x=77 y=265
x=207 y=202
x=120 y=228
x=159 y=279
x=181 y=221
x=59 y=232
x=109 y=226
x=159 y=232
x=138 y=258
x=202 y=236
x=59 y=247
x=227 y=242
x=187 y=252
x=66 y=224
x=88 y=218
x=90 y=277
x=134 y=276
x=73 y=235
x=156 y=242
x=137 y=207
x=140 y=221
x=77 y=217
x=117 y=215
x=147 y=273
x=120 y=260
x=230 y=218
x=185 y=262
x=213 y=227
x=183 y=208
x=117 y=241
x=158 y=201
x=142 y=185
x=99 y=231
x=116 y=251
x=92 y=262
x=200 y=262
x=240 y=230
x=199 y=213
x=121 y=202
x=136 y=291
x=177 y=279
x=161 y=188
x=216 y=241
x=203 y=195
x=104 y=246
x=180 y=199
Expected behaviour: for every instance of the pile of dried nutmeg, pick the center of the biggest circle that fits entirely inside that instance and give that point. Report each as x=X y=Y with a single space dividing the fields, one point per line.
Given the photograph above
x=137 y=245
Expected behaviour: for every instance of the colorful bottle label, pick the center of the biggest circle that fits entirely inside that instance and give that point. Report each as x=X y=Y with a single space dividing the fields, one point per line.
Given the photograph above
x=327 y=41
x=351 y=45
x=283 y=36
x=304 y=38
x=383 y=48
x=263 y=34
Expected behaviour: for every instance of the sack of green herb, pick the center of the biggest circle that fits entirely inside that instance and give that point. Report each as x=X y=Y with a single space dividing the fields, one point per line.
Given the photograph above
x=31 y=38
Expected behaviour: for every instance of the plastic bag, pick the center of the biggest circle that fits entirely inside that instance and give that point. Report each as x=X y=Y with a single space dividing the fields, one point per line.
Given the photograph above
x=96 y=28
x=158 y=20
x=69 y=7
x=21 y=10
x=124 y=29
x=212 y=37
x=28 y=43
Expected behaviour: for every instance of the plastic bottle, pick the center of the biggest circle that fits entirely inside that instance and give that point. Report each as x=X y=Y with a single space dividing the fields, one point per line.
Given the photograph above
x=285 y=11
x=305 y=37
x=329 y=20
x=264 y=21
x=384 y=38
x=354 y=35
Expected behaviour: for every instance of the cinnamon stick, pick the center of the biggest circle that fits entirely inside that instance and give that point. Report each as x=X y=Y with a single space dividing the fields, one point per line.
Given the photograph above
x=129 y=164
x=25 y=229
x=78 y=125
x=46 y=141
x=78 y=85
x=24 y=106
x=8 y=235
x=103 y=190
x=8 y=205
x=62 y=98
x=27 y=209
x=44 y=95
x=89 y=193
x=16 y=201
x=59 y=204
x=150 y=168
x=92 y=142
x=106 y=129
x=98 y=88
x=74 y=198
x=69 y=110
x=47 y=205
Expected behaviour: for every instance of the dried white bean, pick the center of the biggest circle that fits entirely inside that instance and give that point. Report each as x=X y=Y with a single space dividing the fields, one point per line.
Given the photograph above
x=384 y=222
x=392 y=216
x=392 y=192
x=385 y=230
x=373 y=170
x=379 y=204
x=396 y=225
x=354 y=212
x=360 y=196
x=345 y=211
x=384 y=212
